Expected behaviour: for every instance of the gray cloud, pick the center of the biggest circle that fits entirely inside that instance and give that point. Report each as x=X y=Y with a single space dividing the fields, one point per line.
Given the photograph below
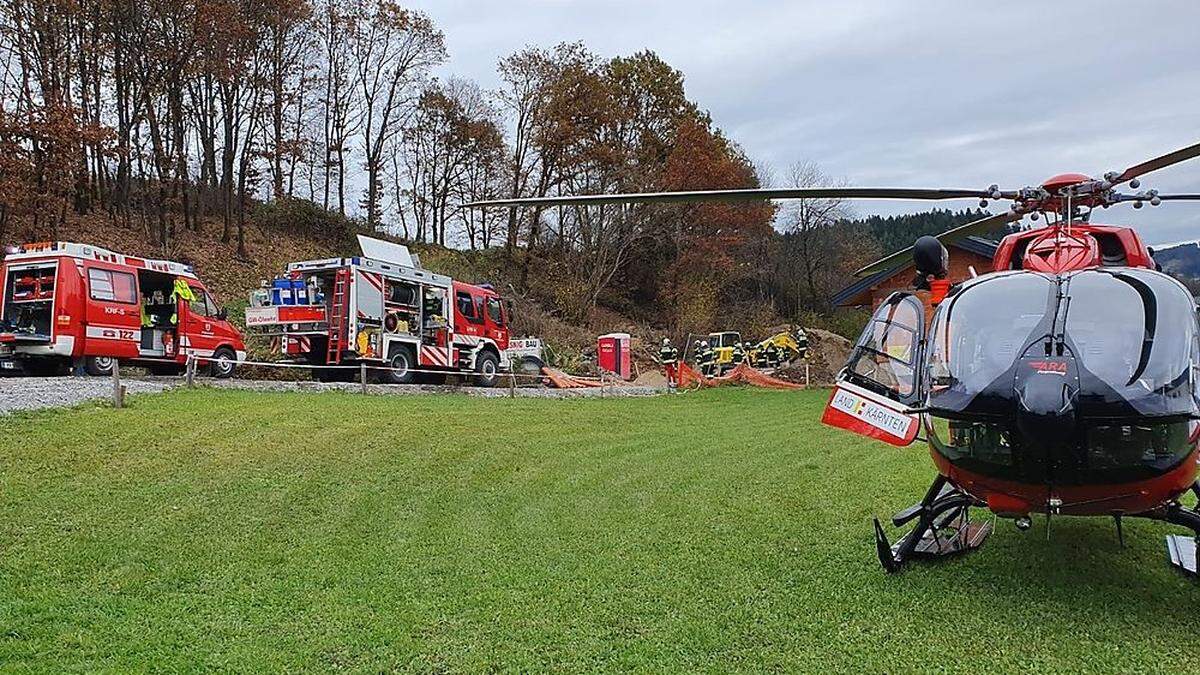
x=946 y=93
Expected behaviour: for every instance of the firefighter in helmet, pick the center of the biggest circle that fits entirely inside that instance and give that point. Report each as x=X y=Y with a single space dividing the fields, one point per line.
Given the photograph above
x=706 y=359
x=771 y=355
x=739 y=353
x=801 y=343
x=668 y=356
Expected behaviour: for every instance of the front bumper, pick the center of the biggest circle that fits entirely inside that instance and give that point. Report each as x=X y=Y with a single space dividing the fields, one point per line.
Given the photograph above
x=9 y=365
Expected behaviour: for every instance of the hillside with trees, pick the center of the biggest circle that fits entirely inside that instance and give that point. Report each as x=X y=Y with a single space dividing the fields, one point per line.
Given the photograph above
x=1182 y=260
x=237 y=131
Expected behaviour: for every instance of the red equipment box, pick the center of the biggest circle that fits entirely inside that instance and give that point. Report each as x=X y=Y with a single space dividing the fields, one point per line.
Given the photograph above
x=612 y=354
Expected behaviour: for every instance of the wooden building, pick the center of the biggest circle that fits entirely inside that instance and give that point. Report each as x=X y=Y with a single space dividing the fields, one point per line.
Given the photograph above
x=869 y=291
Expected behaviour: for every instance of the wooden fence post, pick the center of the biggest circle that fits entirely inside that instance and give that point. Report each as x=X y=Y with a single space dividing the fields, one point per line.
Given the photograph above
x=362 y=375
x=190 y=370
x=118 y=392
x=512 y=384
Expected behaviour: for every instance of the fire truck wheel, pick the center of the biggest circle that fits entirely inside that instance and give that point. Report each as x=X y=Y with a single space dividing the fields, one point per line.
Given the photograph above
x=99 y=365
x=224 y=361
x=400 y=367
x=487 y=370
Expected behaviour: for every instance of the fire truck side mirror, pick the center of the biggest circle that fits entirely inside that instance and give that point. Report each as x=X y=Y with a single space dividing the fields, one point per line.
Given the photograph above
x=222 y=314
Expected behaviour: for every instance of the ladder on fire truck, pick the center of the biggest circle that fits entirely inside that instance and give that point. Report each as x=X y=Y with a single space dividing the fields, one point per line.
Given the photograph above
x=337 y=316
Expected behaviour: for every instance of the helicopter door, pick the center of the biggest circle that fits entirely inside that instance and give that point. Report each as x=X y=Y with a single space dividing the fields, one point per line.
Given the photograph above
x=881 y=379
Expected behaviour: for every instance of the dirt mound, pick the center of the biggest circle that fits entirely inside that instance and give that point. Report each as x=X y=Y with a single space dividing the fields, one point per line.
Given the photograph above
x=827 y=353
x=650 y=378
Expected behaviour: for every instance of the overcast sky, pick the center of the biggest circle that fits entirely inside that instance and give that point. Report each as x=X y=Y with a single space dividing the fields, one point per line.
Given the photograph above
x=952 y=93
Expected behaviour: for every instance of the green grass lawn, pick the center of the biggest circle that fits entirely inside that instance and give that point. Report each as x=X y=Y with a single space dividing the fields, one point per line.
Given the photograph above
x=724 y=530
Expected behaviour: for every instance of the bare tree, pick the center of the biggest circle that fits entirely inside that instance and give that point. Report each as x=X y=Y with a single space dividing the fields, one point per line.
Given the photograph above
x=393 y=50
x=451 y=147
x=810 y=246
x=289 y=47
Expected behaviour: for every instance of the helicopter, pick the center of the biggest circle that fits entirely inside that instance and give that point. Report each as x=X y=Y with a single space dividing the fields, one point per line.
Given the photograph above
x=1064 y=382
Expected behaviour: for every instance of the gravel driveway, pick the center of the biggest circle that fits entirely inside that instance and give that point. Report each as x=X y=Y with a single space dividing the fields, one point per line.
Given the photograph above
x=33 y=393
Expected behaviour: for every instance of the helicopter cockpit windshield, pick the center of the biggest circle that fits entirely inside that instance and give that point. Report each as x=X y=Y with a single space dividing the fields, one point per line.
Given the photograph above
x=978 y=335
x=1134 y=334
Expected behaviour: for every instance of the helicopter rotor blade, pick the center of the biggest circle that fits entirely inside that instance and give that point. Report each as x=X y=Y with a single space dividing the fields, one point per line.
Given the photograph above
x=741 y=195
x=1153 y=197
x=950 y=236
x=1157 y=163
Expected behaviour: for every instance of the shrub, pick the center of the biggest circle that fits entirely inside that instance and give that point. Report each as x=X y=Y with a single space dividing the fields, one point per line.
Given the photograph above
x=302 y=215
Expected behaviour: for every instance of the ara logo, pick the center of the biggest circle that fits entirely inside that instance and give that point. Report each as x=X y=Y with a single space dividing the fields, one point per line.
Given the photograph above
x=1049 y=367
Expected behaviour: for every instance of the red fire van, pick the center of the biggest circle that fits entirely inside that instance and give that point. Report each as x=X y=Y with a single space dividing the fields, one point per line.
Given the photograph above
x=64 y=304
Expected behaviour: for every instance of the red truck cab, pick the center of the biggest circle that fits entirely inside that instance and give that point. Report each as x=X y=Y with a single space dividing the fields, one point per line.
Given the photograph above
x=479 y=313
x=64 y=304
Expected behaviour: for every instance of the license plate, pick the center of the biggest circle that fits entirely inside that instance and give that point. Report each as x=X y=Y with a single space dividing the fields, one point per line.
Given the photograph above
x=8 y=365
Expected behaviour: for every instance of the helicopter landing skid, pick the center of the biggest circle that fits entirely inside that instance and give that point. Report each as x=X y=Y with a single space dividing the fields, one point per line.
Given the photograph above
x=1182 y=548
x=943 y=528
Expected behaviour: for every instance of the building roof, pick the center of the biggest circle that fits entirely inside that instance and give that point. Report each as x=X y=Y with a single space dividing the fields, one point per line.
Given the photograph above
x=977 y=245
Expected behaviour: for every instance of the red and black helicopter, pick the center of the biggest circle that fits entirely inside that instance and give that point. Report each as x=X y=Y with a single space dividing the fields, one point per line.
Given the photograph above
x=1063 y=382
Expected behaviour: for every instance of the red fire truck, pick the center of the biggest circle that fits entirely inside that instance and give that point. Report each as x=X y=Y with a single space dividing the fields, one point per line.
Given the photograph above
x=64 y=303
x=383 y=309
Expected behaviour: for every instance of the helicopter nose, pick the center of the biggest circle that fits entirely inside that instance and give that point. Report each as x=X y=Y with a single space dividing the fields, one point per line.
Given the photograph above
x=1046 y=392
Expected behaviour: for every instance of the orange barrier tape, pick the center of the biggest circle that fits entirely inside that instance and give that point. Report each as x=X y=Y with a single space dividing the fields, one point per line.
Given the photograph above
x=741 y=374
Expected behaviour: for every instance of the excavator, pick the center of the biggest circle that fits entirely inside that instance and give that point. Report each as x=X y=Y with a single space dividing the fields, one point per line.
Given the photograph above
x=782 y=348
x=789 y=346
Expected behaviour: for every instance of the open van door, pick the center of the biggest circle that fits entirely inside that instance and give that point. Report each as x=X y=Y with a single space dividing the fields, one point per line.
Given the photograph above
x=881 y=380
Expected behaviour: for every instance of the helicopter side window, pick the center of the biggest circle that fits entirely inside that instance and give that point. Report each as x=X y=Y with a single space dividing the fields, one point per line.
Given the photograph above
x=887 y=350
